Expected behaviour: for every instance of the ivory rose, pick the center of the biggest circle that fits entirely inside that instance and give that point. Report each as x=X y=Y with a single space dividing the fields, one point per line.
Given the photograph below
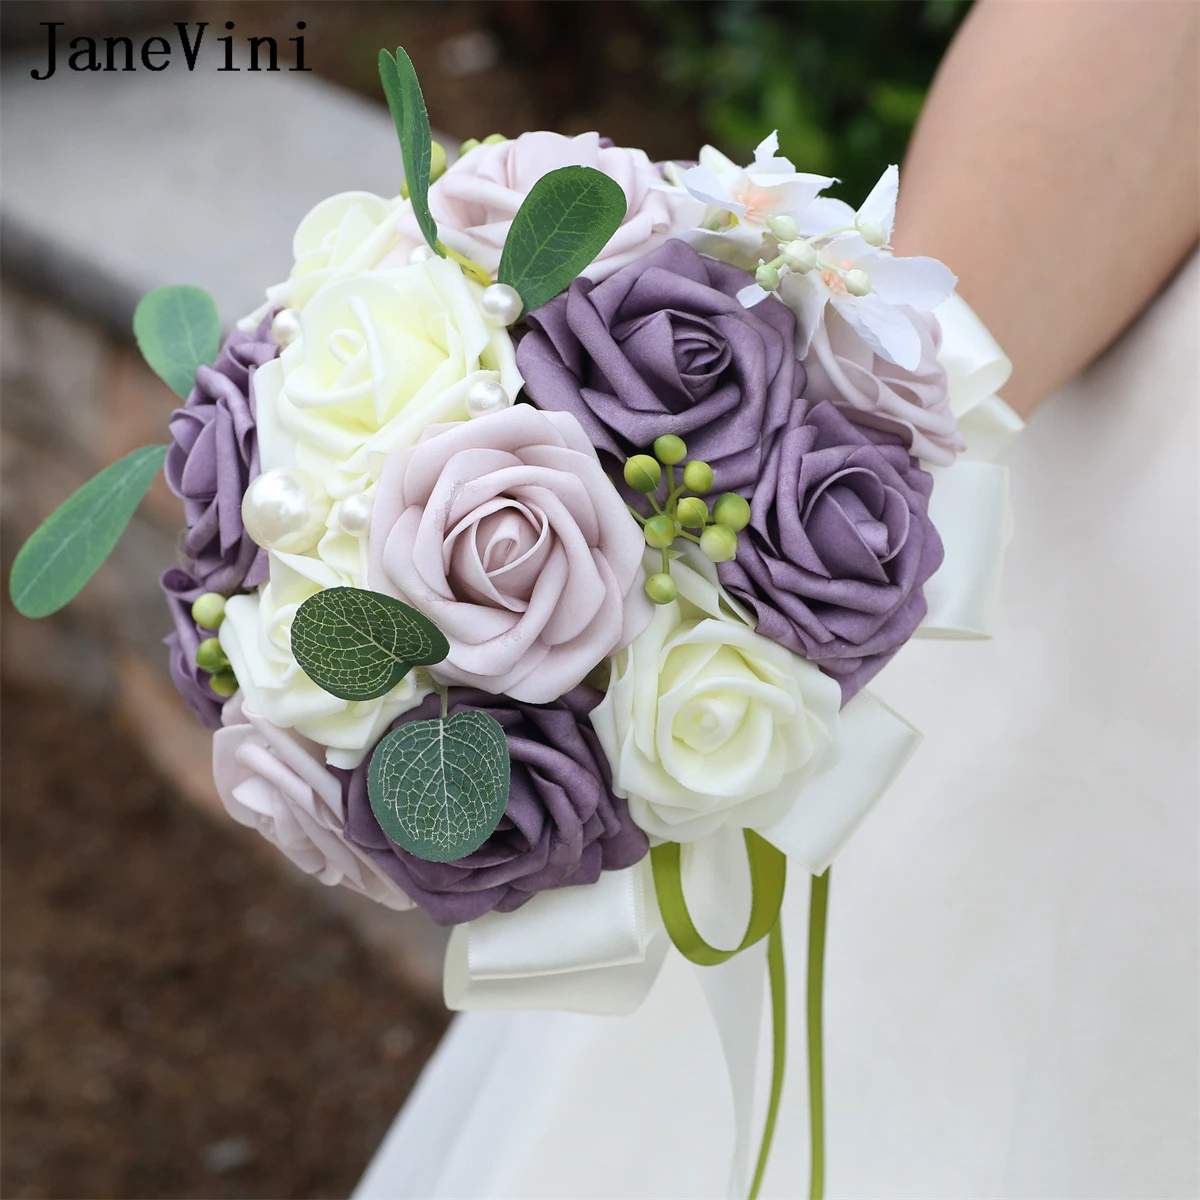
x=274 y=781
x=255 y=635
x=380 y=356
x=707 y=724
x=506 y=533
x=344 y=235
x=475 y=201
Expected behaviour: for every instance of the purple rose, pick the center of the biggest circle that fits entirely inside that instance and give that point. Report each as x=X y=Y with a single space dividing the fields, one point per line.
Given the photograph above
x=181 y=591
x=663 y=346
x=562 y=826
x=213 y=457
x=838 y=546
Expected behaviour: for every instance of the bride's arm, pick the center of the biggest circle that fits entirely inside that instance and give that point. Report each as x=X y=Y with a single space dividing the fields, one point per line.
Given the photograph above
x=1055 y=170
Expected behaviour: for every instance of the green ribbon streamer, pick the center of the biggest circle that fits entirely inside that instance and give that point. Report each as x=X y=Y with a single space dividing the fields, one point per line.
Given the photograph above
x=818 y=912
x=778 y=978
x=768 y=875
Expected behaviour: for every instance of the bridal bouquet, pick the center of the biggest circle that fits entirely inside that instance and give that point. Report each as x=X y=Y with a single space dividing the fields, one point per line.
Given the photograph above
x=544 y=529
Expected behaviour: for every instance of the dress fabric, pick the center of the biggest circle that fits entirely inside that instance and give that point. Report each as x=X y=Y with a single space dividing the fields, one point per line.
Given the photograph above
x=1011 y=988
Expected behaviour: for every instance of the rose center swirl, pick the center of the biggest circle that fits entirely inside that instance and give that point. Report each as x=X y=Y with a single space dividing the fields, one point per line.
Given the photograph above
x=496 y=554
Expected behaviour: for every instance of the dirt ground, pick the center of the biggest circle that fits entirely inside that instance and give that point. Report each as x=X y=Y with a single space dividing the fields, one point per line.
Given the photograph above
x=179 y=1019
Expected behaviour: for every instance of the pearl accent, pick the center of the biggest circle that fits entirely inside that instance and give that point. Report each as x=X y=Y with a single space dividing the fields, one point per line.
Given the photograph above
x=354 y=515
x=501 y=304
x=420 y=254
x=285 y=328
x=485 y=397
x=285 y=509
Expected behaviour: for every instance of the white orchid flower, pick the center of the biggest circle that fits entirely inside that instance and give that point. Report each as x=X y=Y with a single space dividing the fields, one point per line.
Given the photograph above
x=841 y=258
x=874 y=218
x=743 y=200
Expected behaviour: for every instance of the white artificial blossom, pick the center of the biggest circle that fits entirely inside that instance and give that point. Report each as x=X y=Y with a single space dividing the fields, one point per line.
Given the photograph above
x=741 y=201
x=841 y=257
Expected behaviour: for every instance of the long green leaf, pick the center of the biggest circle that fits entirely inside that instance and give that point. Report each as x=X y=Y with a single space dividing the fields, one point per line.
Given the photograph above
x=358 y=645
x=71 y=544
x=564 y=222
x=407 y=105
x=177 y=330
x=439 y=788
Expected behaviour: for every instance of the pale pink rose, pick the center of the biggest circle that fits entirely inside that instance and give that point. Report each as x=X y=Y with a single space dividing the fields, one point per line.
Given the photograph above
x=506 y=533
x=475 y=201
x=876 y=393
x=275 y=781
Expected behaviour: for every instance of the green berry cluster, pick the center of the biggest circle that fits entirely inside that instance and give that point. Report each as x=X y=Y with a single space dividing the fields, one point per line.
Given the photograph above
x=208 y=611
x=715 y=531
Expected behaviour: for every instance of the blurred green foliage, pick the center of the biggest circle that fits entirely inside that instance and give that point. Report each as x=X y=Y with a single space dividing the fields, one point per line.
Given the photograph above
x=842 y=80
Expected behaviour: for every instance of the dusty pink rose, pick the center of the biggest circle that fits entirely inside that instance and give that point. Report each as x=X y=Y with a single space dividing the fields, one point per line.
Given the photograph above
x=276 y=781
x=877 y=394
x=475 y=201
x=505 y=531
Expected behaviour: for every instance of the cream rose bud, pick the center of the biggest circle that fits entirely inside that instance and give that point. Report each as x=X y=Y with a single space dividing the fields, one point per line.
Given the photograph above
x=344 y=235
x=506 y=532
x=706 y=723
x=274 y=781
x=380 y=356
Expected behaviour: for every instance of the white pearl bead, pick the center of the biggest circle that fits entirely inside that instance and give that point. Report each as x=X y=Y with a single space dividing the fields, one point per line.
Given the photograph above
x=285 y=327
x=501 y=304
x=285 y=509
x=420 y=254
x=485 y=397
x=354 y=515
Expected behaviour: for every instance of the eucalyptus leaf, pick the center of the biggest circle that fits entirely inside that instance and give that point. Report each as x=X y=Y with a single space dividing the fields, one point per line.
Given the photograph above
x=564 y=222
x=358 y=645
x=177 y=330
x=71 y=544
x=407 y=105
x=439 y=788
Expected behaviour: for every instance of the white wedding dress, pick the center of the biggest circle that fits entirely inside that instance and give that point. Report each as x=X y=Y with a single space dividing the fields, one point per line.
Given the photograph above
x=1011 y=989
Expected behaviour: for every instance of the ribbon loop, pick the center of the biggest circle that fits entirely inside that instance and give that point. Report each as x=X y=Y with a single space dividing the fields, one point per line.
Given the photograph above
x=595 y=949
x=768 y=876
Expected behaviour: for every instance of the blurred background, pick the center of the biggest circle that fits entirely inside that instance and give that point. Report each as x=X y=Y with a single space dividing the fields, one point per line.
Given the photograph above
x=183 y=1014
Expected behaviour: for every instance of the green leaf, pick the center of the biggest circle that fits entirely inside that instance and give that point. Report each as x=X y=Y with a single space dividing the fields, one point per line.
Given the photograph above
x=177 y=330
x=71 y=544
x=407 y=104
x=439 y=788
x=358 y=645
x=564 y=222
